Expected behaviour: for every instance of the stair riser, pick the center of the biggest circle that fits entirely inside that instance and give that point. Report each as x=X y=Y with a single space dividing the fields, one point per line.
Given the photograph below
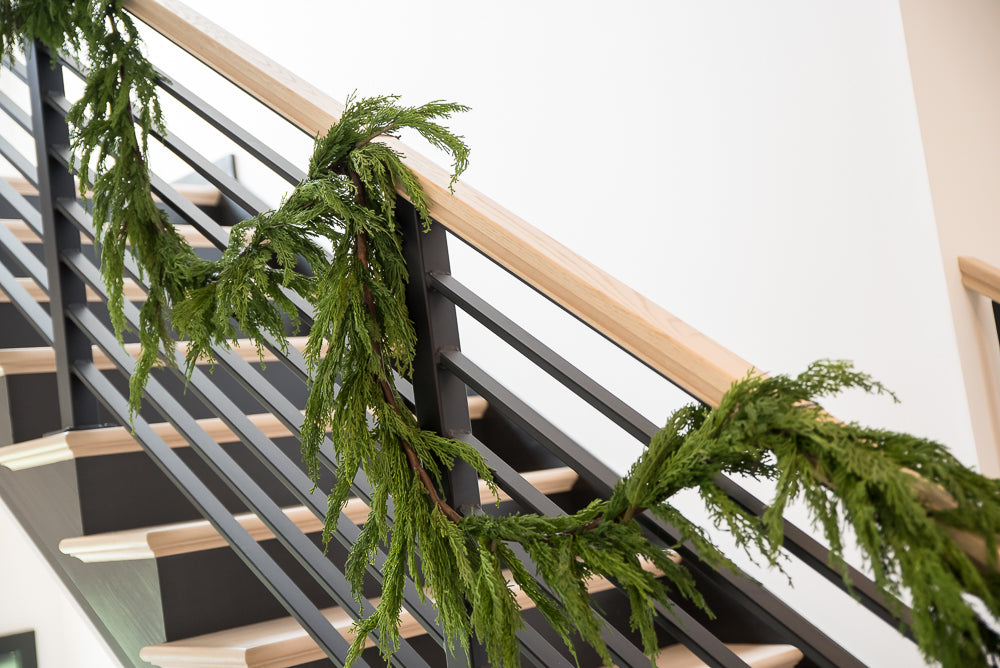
x=152 y=497
x=214 y=590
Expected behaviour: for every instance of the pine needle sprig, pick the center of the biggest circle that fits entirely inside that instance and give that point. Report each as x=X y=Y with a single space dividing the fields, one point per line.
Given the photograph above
x=113 y=159
x=846 y=475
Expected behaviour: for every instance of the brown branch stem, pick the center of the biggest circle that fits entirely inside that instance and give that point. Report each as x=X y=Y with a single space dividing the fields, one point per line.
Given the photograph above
x=630 y=513
x=361 y=244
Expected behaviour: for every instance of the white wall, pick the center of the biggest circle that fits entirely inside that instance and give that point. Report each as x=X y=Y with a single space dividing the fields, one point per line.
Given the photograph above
x=33 y=598
x=755 y=168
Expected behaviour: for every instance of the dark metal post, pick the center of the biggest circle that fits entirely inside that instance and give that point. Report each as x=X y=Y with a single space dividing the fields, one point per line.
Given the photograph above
x=996 y=317
x=77 y=406
x=442 y=404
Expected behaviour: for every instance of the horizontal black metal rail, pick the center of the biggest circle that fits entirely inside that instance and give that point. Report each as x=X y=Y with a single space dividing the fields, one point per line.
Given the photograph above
x=535 y=648
x=333 y=644
x=24 y=258
x=245 y=140
x=24 y=166
x=248 y=142
x=624 y=650
x=24 y=209
x=815 y=644
x=26 y=304
x=285 y=470
x=796 y=541
x=18 y=68
x=12 y=109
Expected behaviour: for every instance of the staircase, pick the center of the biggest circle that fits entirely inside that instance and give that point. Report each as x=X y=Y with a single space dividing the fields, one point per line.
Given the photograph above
x=193 y=540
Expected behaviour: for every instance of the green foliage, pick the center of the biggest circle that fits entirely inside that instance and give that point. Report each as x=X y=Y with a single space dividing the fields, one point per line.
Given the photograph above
x=845 y=474
x=361 y=335
x=848 y=476
x=53 y=22
x=113 y=159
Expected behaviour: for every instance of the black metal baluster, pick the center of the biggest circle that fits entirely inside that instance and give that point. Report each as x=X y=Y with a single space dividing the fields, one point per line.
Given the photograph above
x=441 y=403
x=77 y=406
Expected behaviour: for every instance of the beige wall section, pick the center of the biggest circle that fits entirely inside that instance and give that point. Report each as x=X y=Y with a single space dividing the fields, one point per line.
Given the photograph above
x=954 y=52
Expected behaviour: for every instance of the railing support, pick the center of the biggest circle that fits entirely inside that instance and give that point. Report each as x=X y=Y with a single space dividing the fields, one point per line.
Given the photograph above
x=77 y=406
x=441 y=400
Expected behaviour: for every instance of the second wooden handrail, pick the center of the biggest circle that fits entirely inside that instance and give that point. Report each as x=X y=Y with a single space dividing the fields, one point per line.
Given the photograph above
x=980 y=276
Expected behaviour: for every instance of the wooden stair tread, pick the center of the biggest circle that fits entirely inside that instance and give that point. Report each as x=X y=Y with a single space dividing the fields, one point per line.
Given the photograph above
x=133 y=292
x=183 y=537
x=66 y=445
x=197 y=194
x=281 y=643
x=16 y=361
x=756 y=656
x=26 y=235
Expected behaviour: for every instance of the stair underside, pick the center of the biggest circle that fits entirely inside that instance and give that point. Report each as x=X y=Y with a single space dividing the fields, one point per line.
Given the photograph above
x=183 y=537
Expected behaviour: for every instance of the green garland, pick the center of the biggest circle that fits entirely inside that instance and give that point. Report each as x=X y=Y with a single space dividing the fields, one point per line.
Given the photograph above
x=771 y=428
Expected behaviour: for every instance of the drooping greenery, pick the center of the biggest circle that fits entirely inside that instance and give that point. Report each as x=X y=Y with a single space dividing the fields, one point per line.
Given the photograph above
x=112 y=156
x=339 y=223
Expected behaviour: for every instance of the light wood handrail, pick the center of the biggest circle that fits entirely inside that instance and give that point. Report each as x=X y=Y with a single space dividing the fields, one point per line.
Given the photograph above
x=980 y=276
x=670 y=346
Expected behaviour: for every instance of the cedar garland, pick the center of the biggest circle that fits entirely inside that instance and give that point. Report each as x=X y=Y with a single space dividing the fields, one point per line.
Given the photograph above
x=772 y=428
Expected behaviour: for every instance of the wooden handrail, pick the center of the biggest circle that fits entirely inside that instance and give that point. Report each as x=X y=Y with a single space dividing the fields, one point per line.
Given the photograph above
x=701 y=366
x=668 y=345
x=980 y=276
